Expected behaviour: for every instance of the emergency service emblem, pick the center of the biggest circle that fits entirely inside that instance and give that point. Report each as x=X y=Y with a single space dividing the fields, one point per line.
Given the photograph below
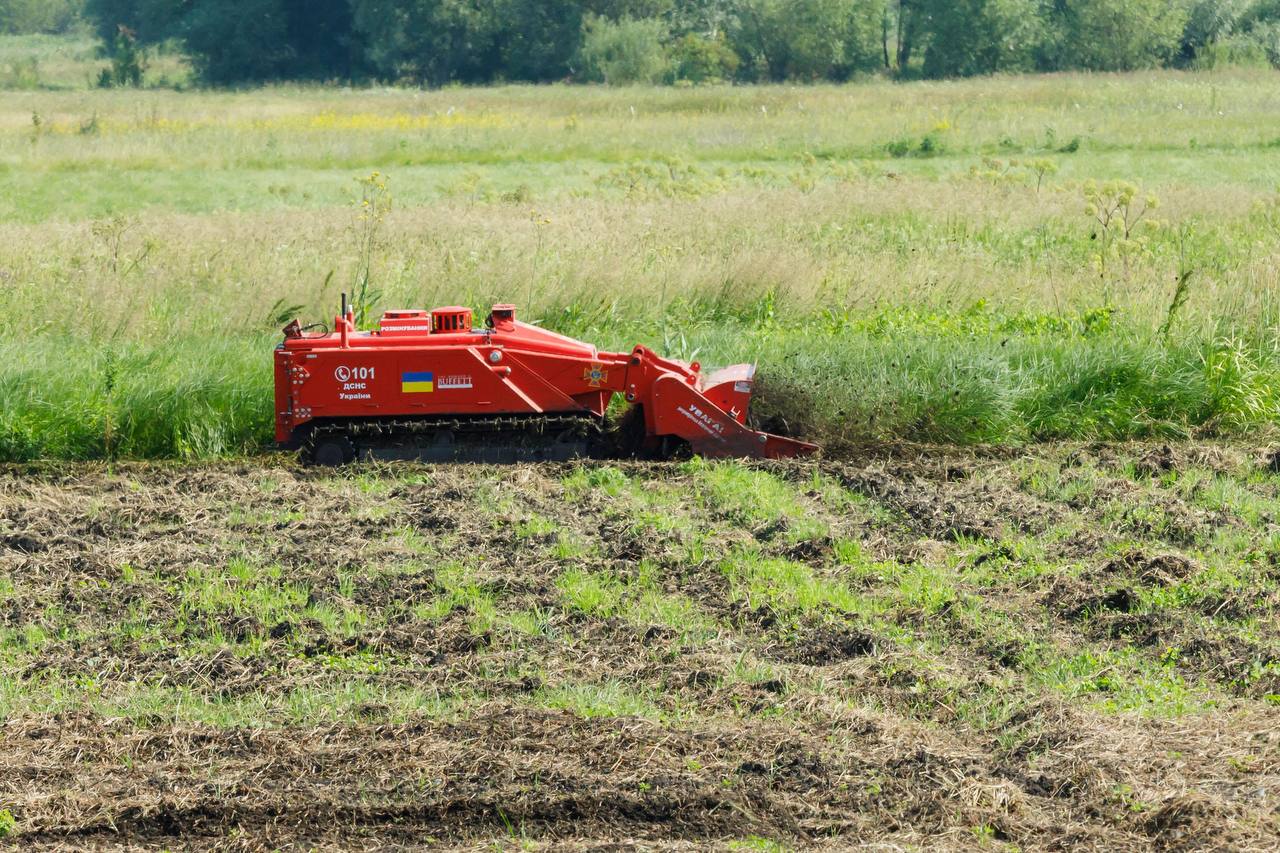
x=595 y=375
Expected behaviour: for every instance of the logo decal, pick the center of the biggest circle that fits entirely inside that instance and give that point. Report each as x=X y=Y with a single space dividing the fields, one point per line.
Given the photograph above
x=343 y=373
x=595 y=375
x=454 y=382
x=702 y=420
x=417 y=383
x=354 y=381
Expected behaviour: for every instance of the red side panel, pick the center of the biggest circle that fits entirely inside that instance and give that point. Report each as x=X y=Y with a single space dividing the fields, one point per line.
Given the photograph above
x=469 y=376
x=679 y=409
x=283 y=396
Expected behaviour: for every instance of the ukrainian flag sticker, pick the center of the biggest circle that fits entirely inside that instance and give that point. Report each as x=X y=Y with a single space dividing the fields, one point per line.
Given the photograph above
x=417 y=383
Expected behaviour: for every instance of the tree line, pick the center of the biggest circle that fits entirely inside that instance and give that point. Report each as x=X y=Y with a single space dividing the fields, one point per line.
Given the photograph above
x=435 y=42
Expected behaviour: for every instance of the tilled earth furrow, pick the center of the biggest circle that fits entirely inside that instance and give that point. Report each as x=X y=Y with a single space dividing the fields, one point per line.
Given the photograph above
x=1066 y=647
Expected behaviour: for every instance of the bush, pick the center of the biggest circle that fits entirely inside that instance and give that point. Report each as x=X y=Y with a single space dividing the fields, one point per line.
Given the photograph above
x=624 y=51
x=1265 y=40
x=1258 y=49
x=21 y=73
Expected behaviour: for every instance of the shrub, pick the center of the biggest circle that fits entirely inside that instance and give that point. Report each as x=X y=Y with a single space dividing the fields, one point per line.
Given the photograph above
x=21 y=73
x=128 y=60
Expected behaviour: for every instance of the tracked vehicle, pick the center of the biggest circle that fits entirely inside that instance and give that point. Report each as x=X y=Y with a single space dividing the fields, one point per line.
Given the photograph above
x=429 y=385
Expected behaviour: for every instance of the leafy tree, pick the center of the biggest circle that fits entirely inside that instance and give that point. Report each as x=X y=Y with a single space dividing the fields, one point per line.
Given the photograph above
x=320 y=36
x=429 y=41
x=1209 y=21
x=807 y=39
x=1113 y=35
x=967 y=37
x=1254 y=37
x=236 y=41
x=474 y=41
x=469 y=41
x=1259 y=13
x=1265 y=37
x=629 y=50
x=616 y=10
x=537 y=39
x=710 y=18
x=909 y=20
x=249 y=44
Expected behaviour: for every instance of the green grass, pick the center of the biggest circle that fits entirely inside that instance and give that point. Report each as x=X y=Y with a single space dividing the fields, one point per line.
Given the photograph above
x=1118 y=681
x=637 y=599
x=459 y=590
x=152 y=243
x=66 y=398
x=755 y=499
x=788 y=587
x=150 y=704
x=610 y=699
x=592 y=593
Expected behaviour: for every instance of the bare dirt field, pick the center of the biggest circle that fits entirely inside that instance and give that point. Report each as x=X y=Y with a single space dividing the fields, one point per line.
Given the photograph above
x=1066 y=647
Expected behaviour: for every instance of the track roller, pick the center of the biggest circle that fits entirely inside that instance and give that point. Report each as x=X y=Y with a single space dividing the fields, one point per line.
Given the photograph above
x=331 y=450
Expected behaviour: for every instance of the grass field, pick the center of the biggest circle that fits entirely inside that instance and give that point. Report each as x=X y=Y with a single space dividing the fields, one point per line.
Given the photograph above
x=1031 y=634
x=904 y=261
x=1074 y=647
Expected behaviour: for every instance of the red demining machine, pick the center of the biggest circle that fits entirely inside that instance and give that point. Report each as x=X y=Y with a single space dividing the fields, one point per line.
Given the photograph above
x=428 y=385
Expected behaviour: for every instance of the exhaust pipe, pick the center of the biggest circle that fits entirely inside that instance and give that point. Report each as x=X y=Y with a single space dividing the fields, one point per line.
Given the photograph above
x=344 y=324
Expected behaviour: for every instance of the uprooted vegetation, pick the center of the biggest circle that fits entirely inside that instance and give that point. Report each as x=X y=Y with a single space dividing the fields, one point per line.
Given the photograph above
x=1072 y=647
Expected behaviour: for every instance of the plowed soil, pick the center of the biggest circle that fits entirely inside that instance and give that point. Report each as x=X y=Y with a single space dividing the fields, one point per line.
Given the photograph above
x=1072 y=647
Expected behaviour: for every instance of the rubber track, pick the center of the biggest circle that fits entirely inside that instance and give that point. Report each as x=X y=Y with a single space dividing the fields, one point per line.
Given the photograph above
x=396 y=433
